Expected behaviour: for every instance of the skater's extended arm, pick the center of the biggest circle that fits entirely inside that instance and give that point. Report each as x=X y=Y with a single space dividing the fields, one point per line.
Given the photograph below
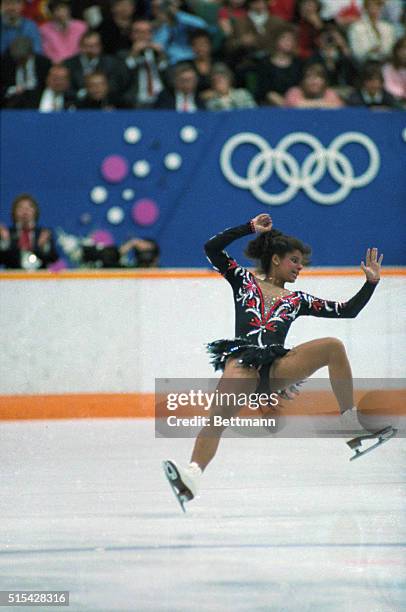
x=214 y=247
x=346 y=310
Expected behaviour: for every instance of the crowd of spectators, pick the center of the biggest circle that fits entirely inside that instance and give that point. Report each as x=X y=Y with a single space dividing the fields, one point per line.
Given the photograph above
x=202 y=54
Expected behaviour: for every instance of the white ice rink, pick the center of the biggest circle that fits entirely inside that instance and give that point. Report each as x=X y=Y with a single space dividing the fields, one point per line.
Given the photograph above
x=281 y=525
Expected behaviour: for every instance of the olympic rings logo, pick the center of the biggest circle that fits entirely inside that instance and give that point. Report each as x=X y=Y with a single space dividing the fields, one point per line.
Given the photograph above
x=280 y=162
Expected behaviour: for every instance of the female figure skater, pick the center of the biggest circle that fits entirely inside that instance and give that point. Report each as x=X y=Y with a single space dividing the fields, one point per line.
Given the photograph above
x=265 y=309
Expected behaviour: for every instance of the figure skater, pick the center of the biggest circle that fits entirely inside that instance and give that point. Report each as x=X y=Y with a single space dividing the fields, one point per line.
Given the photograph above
x=264 y=312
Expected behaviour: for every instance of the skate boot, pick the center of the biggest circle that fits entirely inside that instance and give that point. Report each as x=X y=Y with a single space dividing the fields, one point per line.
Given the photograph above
x=185 y=481
x=350 y=424
x=349 y=421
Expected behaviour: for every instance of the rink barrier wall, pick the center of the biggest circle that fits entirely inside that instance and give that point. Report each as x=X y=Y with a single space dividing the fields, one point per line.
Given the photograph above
x=363 y=193
x=89 y=344
x=167 y=273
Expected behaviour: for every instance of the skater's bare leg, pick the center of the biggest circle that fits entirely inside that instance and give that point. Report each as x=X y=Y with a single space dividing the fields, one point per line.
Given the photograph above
x=307 y=358
x=236 y=379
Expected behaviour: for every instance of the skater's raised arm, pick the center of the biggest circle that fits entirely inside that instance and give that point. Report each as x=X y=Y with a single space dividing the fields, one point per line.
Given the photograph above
x=214 y=247
x=347 y=310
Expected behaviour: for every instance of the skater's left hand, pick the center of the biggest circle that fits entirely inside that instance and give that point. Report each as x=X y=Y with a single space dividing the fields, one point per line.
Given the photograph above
x=372 y=268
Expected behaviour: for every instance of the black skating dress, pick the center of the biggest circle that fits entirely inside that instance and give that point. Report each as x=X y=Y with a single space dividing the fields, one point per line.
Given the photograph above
x=261 y=329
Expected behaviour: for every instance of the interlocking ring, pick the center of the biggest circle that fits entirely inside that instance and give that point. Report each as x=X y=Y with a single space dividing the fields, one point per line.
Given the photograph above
x=279 y=161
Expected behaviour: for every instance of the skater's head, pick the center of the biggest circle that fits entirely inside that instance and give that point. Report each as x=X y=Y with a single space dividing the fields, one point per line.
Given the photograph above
x=279 y=256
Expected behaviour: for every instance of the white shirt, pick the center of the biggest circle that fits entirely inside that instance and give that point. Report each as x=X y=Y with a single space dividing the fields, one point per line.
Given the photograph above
x=363 y=38
x=143 y=96
x=185 y=102
x=50 y=101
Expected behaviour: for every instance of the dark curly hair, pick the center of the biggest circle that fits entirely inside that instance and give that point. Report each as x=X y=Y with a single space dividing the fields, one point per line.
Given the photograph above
x=275 y=242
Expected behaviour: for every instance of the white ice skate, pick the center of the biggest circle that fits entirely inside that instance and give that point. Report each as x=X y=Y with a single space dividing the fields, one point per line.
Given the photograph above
x=185 y=481
x=349 y=421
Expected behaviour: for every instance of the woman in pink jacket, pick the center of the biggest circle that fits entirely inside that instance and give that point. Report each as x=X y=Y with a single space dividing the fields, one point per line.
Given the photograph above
x=61 y=35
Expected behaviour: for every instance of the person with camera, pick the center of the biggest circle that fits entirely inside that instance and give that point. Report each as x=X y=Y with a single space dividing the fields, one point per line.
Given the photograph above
x=145 y=251
x=172 y=29
x=146 y=62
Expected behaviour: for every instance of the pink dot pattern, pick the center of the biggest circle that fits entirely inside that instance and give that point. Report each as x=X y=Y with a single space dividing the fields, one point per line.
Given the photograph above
x=145 y=212
x=114 y=168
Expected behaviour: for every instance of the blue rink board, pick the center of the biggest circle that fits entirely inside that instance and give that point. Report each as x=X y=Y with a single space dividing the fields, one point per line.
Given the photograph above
x=58 y=157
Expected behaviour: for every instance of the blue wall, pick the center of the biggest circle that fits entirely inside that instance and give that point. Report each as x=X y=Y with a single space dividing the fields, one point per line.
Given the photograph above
x=57 y=158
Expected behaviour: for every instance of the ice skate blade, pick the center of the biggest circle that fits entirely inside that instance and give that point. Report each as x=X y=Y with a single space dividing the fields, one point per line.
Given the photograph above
x=382 y=436
x=181 y=493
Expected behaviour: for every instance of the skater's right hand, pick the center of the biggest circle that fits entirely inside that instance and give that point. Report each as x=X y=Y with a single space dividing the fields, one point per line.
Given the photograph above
x=262 y=223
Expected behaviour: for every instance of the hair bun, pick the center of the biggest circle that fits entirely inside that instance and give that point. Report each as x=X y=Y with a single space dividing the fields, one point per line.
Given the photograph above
x=255 y=247
x=274 y=234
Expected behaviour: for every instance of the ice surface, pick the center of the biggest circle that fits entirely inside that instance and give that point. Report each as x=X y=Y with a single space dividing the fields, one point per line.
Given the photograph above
x=280 y=525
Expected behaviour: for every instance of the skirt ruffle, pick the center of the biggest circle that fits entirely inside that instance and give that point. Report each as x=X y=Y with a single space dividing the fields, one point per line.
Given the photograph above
x=250 y=355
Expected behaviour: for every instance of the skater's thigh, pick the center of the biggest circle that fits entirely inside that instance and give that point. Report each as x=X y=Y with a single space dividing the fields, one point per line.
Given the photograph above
x=235 y=382
x=301 y=361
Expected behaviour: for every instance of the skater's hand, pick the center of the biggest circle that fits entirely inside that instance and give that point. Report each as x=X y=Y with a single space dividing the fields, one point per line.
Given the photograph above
x=372 y=268
x=262 y=223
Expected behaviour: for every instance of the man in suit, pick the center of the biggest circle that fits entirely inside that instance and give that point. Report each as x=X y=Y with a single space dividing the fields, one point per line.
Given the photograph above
x=99 y=96
x=183 y=97
x=23 y=75
x=57 y=95
x=371 y=92
x=146 y=62
x=25 y=244
x=91 y=59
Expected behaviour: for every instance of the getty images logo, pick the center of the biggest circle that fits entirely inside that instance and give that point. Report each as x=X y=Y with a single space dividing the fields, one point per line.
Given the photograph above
x=279 y=162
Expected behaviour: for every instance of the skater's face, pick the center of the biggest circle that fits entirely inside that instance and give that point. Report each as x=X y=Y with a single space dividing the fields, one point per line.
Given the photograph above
x=288 y=267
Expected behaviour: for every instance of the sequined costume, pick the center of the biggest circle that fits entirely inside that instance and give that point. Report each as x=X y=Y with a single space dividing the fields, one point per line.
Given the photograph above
x=260 y=326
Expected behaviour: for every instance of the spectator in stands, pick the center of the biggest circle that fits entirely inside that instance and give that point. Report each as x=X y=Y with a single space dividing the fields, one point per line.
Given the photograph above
x=335 y=55
x=230 y=12
x=146 y=62
x=36 y=10
x=98 y=94
x=172 y=29
x=371 y=92
x=281 y=70
x=61 y=34
x=370 y=37
x=203 y=61
x=14 y=25
x=225 y=97
x=23 y=75
x=313 y=91
x=92 y=11
x=25 y=244
x=394 y=72
x=90 y=59
x=285 y=9
x=394 y=11
x=310 y=26
x=183 y=96
x=343 y=12
x=115 y=29
x=145 y=253
x=253 y=36
x=57 y=96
